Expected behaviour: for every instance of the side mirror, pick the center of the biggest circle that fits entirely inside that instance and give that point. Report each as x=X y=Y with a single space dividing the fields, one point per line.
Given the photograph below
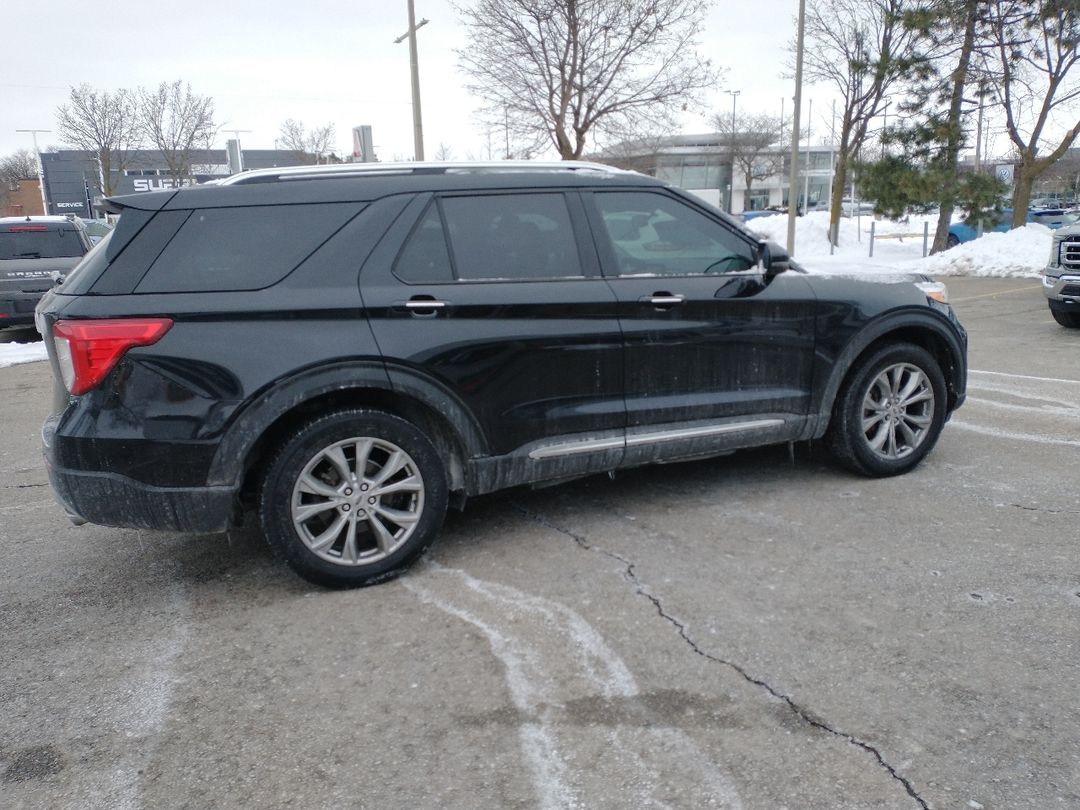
x=774 y=259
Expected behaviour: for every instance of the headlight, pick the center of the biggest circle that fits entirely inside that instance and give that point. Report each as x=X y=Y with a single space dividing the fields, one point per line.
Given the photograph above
x=934 y=290
x=1055 y=253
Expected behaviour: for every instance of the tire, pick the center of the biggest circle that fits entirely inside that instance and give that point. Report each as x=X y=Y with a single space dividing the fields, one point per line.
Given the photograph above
x=1070 y=320
x=342 y=527
x=952 y=241
x=873 y=431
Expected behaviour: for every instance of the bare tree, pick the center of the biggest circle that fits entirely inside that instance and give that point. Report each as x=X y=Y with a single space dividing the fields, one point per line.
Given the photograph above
x=752 y=146
x=641 y=154
x=311 y=145
x=178 y=122
x=104 y=123
x=14 y=168
x=564 y=71
x=445 y=152
x=1036 y=46
x=861 y=48
x=19 y=165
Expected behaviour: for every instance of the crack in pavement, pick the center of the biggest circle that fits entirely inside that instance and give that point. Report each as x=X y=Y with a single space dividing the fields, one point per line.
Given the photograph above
x=803 y=714
x=1046 y=509
x=23 y=486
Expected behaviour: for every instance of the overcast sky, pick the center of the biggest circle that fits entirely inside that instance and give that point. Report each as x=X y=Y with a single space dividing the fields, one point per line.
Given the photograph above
x=322 y=62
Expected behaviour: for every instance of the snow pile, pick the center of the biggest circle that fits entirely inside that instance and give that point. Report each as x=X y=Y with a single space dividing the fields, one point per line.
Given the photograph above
x=898 y=247
x=1022 y=252
x=14 y=353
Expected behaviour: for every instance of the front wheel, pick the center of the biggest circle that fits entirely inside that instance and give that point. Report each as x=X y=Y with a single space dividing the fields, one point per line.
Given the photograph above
x=353 y=497
x=889 y=412
x=952 y=241
x=1070 y=320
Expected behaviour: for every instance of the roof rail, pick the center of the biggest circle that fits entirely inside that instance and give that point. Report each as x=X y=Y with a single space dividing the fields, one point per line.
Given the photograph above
x=339 y=170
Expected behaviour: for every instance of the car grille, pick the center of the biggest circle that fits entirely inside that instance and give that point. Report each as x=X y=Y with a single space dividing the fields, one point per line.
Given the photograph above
x=1071 y=289
x=1070 y=253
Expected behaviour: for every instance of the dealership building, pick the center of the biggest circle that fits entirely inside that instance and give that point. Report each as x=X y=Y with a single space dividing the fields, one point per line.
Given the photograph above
x=73 y=178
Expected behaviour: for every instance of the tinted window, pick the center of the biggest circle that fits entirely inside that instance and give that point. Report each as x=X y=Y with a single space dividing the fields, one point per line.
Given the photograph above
x=425 y=257
x=247 y=248
x=511 y=236
x=35 y=241
x=652 y=234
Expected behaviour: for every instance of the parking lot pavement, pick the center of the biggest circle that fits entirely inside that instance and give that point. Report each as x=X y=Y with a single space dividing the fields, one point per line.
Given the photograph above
x=748 y=632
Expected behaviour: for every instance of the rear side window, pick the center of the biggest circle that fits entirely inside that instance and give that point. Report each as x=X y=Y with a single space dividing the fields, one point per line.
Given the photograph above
x=511 y=237
x=425 y=258
x=246 y=248
x=36 y=241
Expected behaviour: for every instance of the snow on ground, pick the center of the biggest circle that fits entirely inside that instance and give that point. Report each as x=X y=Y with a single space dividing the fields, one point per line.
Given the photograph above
x=1018 y=253
x=13 y=353
x=1021 y=252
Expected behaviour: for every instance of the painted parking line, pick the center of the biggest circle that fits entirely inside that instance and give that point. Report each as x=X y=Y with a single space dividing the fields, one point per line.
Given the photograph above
x=1028 y=288
x=1023 y=376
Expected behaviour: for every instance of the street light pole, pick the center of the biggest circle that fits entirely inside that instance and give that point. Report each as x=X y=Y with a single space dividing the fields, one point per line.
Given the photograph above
x=414 y=70
x=793 y=171
x=41 y=168
x=731 y=194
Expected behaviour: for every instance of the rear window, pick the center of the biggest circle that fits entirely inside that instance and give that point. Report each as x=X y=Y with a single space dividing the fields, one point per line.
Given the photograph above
x=245 y=248
x=31 y=241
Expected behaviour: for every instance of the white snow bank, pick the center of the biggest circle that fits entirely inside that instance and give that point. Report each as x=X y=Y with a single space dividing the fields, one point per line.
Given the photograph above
x=1020 y=252
x=14 y=353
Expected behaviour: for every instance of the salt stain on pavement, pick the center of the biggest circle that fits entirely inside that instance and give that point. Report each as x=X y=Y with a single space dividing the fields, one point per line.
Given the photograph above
x=552 y=657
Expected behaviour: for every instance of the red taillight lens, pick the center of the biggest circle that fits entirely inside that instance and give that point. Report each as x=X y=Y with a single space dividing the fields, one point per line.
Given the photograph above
x=88 y=350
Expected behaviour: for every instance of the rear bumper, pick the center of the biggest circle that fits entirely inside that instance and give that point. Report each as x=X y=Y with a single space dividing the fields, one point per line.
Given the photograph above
x=17 y=308
x=108 y=499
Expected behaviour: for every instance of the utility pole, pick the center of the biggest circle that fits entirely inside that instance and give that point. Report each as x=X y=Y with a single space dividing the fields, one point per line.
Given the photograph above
x=793 y=171
x=40 y=167
x=731 y=188
x=806 y=167
x=414 y=70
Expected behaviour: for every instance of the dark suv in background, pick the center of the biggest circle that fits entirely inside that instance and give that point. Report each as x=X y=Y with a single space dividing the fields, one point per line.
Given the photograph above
x=35 y=253
x=345 y=351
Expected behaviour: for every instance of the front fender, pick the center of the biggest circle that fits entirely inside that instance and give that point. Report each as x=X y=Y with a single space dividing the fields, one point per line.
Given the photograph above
x=904 y=325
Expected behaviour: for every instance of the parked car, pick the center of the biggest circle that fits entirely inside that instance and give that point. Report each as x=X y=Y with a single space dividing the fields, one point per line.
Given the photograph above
x=343 y=351
x=1052 y=218
x=1061 y=279
x=35 y=252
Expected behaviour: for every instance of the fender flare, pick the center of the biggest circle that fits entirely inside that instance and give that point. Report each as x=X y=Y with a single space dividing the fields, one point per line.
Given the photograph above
x=918 y=319
x=228 y=465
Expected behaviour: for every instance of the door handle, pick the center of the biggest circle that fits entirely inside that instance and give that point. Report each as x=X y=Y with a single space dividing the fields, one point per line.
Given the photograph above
x=422 y=307
x=662 y=300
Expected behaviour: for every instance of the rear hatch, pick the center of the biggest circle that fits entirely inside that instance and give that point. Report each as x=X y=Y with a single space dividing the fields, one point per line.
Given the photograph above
x=33 y=257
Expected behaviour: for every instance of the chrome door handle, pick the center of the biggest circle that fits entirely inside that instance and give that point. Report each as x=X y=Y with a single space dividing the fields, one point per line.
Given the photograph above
x=662 y=299
x=425 y=304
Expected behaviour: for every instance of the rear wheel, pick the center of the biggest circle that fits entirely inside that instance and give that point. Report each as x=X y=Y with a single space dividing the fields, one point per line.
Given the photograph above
x=952 y=241
x=353 y=498
x=889 y=412
x=1068 y=319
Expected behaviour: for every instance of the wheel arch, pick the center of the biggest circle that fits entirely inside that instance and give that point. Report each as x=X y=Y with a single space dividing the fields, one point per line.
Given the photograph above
x=919 y=328
x=276 y=412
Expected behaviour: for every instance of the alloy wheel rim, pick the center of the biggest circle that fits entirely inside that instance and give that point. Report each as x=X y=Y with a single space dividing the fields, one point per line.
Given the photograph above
x=357 y=501
x=897 y=411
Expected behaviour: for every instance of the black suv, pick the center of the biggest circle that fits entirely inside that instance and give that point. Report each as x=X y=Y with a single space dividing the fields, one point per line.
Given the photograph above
x=35 y=252
x=346 y=351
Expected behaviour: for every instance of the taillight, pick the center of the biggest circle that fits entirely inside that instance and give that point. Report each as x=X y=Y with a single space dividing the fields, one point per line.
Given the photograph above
x=88 y=350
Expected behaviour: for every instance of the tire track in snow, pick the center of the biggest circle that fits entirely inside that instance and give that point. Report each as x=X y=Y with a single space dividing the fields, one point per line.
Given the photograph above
x=551 y=656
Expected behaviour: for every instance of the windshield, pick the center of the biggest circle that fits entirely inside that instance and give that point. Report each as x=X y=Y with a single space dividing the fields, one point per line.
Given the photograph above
x=39 y=242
